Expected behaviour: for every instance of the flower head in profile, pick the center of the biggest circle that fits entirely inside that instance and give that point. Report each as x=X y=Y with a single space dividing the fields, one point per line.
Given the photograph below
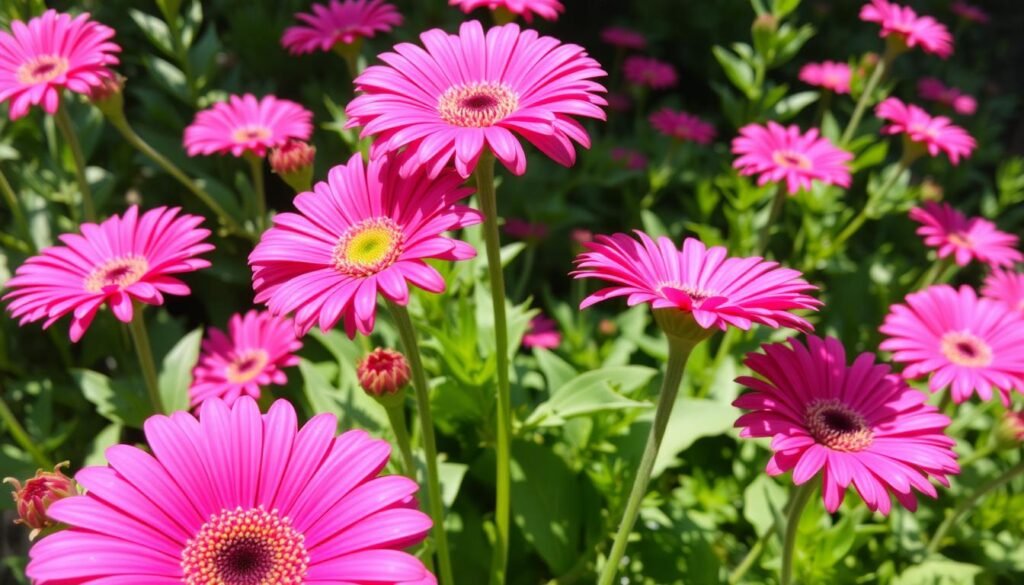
x=543 y=333
x=716 y=290
x=952 y=233
x=52 y=52
x=831 y=75
x=252 y=354
x=39 y=492
x=546 y=9
x=121 y=260
x=238 y=497
x=624 y=38
x=932 y=89
x=969 y=12
x=365 y=230
x=245 y=124
x=650 y=72
x=1007 y=287
x=935 y=134
x=963 y=342
x=340 y=22
x=854 y=424
x=682 y=126
x=903 y=24
x=785 y=154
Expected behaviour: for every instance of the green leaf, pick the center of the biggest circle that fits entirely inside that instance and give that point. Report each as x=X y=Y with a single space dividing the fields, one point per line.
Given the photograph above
x=548 y=506
x=167 y=75
x=763 y=499
x=692 y=419
x=106 y=438
x=653 y=224
x=595 y=391
x=782 y=8
x=939 y=572
x=740 y=73
x=792 y=105
x=348 y=402
x=557 y=371
x=155 y=30
x=450 y=475
x=119 y=401
x=176 y=371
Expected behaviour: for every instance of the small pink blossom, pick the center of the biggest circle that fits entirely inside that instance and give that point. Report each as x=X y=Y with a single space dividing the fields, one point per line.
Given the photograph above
x=650 y=72
x=633 y=160
x=245 y=124
x=339 y=23
x=936 y=134
x=969 y=12
x=619 y=102
x=903 y=23
x=932 y=89
x=785 y=154
x=625 y=38
x=952 y=233
x=682 y=126
x=831 y=75
x=543 y=333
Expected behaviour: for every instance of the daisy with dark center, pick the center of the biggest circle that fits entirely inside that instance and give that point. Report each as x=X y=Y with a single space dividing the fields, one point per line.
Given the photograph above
x=506 y=11
x=955 y=236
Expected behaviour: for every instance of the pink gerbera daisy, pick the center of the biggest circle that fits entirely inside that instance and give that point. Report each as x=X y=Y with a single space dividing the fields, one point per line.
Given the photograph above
x=543 y=333
x=238 y=497
x=546 y=9
x=905 y=25
x=969 y=12
x=650 y=72
x=831 y=75
x=52 y=52
x=469 y=92
x=1006 y=287
x=952 y=233
x=251 y=355
x=245 y=124
x=857 y=424
x=121 y=260
x=365 y=230
x=933 y=89
x=625 y=38
x=936 y=134
x=968 y=343
x=339 y=23
x=778 y=153
x=716 y=290
x=682 y=126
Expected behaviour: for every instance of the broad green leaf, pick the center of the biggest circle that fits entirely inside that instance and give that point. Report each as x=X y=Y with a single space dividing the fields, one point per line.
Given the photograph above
x=763 y=499
x=740 y=73
x=792 y=105
x=176 y=371
x=348 y=402
x=155 y=30
x=119 y=401
x=548 y=507
x=108 y=437
x=451 y=475
x=594 y=391
x=556 y=371
x=939 y=571
x=692 y=419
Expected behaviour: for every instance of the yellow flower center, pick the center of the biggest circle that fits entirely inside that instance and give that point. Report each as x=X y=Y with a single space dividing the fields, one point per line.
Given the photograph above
x=368 y=247
x=119 y=272
x=247 y=366
x=249 y=133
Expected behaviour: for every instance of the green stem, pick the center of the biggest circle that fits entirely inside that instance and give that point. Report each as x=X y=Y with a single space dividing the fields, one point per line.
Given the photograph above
x=502 y=511
x=181 y=53
x=419 y=382
x=865 y=98
x=140 y=338
x=68 y=131
x=20 y=436
x=965 y=506
x=862 y=216
x=396 y=416
x=19 y=214
x=766 y=230
x=752 y=555
x=256 y=167
x=678 y=352
x=801 y=495
x=934 y=273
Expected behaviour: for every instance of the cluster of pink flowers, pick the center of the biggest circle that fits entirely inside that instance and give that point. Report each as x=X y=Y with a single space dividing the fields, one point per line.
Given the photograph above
x=682 y=126
x=932 y=89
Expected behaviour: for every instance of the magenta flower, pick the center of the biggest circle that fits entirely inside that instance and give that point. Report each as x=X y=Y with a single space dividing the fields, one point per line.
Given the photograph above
x=969 y=12
x=546 y=9
x=121 y=260
x=364 y=231
x=778 y=153
x=624 y=38
x=932 y=89
x=682 y=126
x=936 y=134
x=238 y=497
x=339 y=23
x=902 y=23
x=52 y=52
x=831 y=75
x=619 y=102
x=633 y=160
x=469 y=92
x=1006 y=287
x=952 y=233
x=650 y=72
x=245 y=124
x=968 y=343
x=718 y=291
x=543 y=333
x=857 y=424
x=521 y=229
x=251 y=355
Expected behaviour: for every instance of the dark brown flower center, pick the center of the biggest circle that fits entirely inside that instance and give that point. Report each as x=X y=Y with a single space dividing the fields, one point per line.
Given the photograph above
x=966 y=349
x=837 y=426
x=477 y=105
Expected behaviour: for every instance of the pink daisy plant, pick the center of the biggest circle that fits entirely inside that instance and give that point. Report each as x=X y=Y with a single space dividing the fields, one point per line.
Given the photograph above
x=935 y=134
x=245 y=124
x=543 y=333
x=903 y=24
x=252 y=354
x=52 y=52
x=340 y=22
x=1006 y=287
x=952 y=233
x=969 y=12
x=703 y=282
x=364 y=231
x=116 y=262
x=932 y=89
x=785 y=154
x=546 y=9
x=682 y=126
x=967 y=343
x=831 y=75
x=624 y=38
x=234 y=496
x=650 y=72
x=466 y=93
x=854 y=424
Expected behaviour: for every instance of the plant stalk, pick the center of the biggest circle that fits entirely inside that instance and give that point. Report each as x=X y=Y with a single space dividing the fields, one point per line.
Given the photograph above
x=260 y=205
x=766 y=231
x=801 y=495
x=140 y=338
x=67 y=130
x=396 y=416
x=865 y=98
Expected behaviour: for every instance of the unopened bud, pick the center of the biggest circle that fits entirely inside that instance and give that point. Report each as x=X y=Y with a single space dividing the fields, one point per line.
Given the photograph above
x=607 y=327
x=765 y=22
x=108 y=96
x=34 y=498
x=1010 y=432
x=383 y=372
x=293 y=162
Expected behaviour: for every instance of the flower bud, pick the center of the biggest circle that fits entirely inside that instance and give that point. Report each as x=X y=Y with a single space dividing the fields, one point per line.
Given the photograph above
x=108 y=96
x=383 y=372
x=35 y=497
x=293 y=162
x=1010 y=432
x=607 y=327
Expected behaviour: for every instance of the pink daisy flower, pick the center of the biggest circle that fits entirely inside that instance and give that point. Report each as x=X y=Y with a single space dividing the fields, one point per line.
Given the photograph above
x=650 y=72
x=902 y=23
x=52 y=52
x=543 y=333
x=624 y=38
x=633 y=160
x=682 y=126
x=778 y=153
x=969 y=12
x=831 y=75
x=365 y=230
x=936 y=134
x=546 y=9
x=968 y=343
x=469 y=92
x=932 y=89
x=238 y=497
x=123 y=259
x=857 y=424
x=245 y=124
x=1006 y=287
x=251 y=355
x=951 y=233
x=716 y=290
x=339 y=22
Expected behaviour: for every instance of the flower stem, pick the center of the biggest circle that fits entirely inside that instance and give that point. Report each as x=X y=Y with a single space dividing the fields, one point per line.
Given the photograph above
x=965 y=506
x=766 y=230
x=396 y=416
x=256 y=167
x=797 y=503
x=752 y=555
x=502 y=510
x=678 y=352
x=20 y=436
x=935 y=274
x=19 y=214
x=865 y=97
x=68 y=131
x=419 y=382
x=862 y=216
x=140 y=338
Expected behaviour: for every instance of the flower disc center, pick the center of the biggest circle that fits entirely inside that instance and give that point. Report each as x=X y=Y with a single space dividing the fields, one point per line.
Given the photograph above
x=368 y=247
x=837 y=426
x=960 y=239
x=791 y=159
x=966 y=349
x=42 y=69
x=247 y=134
x=117 y=273
x=477 y=105
x=247 y=366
